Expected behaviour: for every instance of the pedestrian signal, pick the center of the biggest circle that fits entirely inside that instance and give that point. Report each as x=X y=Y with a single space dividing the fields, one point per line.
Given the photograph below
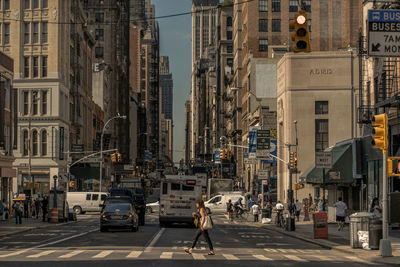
x=300 y=35
x=380 y=132
x=393 y=166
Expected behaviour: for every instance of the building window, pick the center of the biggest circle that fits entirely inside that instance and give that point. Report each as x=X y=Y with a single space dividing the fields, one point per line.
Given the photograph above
x=35 y=3
x=263 y=5
x=229 y=35
x=44 y=66
x=35 y=66
x=276 y=25
x=34 y=143
x=6 y=33
x=263 y=45
x=293 y=7
x=43 y=99
x=263 y=25
x=307 y=4
x=44 y=32
x=6 y=4
x=276 y=5
x=27 y=4
x=229 y=62
x=45 y=3
x=99 y=52
x=35 y=34
x=99 y=35
x=229 y=21
x=44 y=143
x=26 y=67
x=321 y=107
x=35 y=103
x=321 y=135
x=25 y=146
x=27 y=27
x=229 y=49
x=99 y=17
x=26 y=102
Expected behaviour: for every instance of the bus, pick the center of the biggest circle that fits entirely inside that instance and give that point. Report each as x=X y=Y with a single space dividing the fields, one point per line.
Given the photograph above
x=178 y=195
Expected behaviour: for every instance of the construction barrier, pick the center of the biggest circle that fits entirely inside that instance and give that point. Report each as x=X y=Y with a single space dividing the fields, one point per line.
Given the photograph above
x=54 y=215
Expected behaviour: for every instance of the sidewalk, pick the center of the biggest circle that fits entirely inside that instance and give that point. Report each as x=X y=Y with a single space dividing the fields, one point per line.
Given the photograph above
x=340 y=240
x=9 y=227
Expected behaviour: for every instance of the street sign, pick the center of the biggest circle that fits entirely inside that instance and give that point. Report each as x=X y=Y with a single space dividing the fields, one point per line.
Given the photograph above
x=77 y=148
x=262 y=174
x=273 y=150
x=334 y=175
x=252 y=141
x=250 y=161
x=129 y=167
x=384 y=33
x=323 y=160
x=217 y=156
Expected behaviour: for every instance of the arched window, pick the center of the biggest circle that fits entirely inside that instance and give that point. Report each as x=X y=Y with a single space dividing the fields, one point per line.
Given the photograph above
x=25 y=144
x=34 y=143
x=44 y=142
x=229 y=21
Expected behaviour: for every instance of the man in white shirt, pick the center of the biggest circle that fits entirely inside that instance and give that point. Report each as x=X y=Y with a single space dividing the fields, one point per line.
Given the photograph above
x=256 y=210
x=298 y=209
x=341 y=208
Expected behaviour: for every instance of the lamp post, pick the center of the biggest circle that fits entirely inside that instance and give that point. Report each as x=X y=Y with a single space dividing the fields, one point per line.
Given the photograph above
x=35 y=99
x=101 y=145
x=55 y=192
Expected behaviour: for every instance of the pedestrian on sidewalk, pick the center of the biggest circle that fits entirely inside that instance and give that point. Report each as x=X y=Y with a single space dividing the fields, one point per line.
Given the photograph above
x=45 y=204
x=341 y=208
x=269 y=209
x=37 y=207
x=298 y=209
x=26 y=208
x=201 y=213
x=376 y=208
x=256 y=211
x=18 y=211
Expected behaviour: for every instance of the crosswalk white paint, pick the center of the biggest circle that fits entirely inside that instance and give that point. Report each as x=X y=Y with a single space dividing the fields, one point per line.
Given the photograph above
x=356 y=259
x=16 y=253
x=198 y=256
x=134 y=254
x=262 y=257
x=321 y=258
x=71 y=254
x=43 y=253
x=166 y=255
x=295 y=258
x=230 y=257
x=103 y=254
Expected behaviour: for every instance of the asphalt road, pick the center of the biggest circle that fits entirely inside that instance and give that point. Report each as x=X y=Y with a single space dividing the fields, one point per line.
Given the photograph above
x=236 y=244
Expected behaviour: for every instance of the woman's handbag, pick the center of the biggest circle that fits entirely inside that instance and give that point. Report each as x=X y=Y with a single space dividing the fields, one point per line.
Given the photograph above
x=208 y=223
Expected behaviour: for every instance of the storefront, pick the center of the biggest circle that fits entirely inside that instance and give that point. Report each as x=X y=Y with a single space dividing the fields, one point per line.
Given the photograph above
x=6 y=183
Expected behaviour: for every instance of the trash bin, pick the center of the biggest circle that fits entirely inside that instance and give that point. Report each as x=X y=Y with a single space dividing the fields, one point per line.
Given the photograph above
x=290 y=223
x=358 y=222
x=374 y=232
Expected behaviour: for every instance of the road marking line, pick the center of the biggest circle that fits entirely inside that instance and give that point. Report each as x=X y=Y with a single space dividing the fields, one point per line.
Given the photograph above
x=65 y=239
x=103 y=254
x=198 y=256
x=15 y=253
x=295 y=258
x=166 y=255
x=262 y=257
x=230 y=257
x=322 y=258
x=43 y=253
x=175 y=247
x=150 y=246
x=271 y=250
x=71 y=254
x=282 y=250
x=353 y=258
x=202 y=248
x=134 y=254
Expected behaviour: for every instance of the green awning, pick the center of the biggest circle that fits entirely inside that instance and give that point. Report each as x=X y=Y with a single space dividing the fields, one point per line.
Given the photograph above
x=341 y=171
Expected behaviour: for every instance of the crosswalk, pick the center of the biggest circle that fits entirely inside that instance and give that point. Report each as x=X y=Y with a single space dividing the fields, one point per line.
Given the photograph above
x=267 y=255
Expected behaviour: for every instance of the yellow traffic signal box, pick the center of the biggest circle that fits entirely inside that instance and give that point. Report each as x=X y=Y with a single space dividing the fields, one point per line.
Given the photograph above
x=300 y=35
x=380 y=132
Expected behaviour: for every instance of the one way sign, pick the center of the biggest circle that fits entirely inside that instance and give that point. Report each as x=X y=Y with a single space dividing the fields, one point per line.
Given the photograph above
x=384 y=33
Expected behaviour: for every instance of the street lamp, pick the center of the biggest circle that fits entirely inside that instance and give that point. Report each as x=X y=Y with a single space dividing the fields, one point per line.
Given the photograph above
x=101 y=144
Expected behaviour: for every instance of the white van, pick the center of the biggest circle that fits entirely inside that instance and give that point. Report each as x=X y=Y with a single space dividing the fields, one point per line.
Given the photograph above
x=82 y=202
x=217 y=204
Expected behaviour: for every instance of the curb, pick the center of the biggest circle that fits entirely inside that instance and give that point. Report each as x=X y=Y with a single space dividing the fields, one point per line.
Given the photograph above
x=35 y=228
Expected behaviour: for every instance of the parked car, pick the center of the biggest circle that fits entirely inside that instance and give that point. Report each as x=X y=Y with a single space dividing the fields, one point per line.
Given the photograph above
x=82 y=202
x=153 y=207
x=119 y=215
x=218 y=203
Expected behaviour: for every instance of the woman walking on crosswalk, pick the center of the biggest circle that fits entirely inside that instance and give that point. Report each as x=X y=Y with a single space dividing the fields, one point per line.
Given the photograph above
x=201 y=215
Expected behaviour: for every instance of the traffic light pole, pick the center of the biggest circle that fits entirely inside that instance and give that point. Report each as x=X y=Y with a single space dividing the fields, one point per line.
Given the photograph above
x=385 y=245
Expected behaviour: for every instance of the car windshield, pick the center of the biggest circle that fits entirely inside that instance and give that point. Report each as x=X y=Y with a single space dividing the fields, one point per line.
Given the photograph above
x=118 y=200
x=117 y=207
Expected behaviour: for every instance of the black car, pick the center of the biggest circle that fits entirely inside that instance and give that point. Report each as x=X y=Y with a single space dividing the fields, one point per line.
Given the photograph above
x=119 y=215
x=137 y=199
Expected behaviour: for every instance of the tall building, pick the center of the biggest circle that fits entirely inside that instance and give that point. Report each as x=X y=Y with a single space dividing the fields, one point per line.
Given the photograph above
x=204 y=27
x=188 y=127
x=8 y=128
x=166 y=88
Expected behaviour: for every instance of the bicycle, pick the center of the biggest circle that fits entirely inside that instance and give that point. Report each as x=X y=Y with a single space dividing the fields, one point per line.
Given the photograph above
x=280 y=220
x=241 y=213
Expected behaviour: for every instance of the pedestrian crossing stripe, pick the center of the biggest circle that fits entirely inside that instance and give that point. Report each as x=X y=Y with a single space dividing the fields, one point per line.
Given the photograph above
x=198 y=256
x=230 y=257
x=134 y=254
x=166 y=255
x=263 y=258
x=295 y=258
x=103 y=254
x=301 y=251
x=71 y=254
x=43 y=253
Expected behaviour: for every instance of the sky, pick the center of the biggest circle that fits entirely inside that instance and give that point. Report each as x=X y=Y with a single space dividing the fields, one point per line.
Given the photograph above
x=175 y=35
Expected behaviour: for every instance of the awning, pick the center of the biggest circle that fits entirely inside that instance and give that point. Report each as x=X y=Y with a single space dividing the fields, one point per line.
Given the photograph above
x=342 y=167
